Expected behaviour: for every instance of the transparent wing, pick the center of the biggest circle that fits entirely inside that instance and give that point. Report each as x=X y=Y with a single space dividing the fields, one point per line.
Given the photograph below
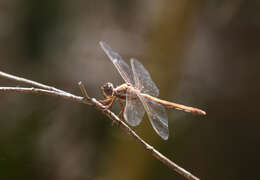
x=143 y=80
x=122 y=67
x=157 y=116
x=134 y=110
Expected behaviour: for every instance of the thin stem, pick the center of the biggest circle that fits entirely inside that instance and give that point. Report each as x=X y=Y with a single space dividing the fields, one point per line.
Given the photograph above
x=83 y=90
x=66 y=95
x=29 y=82
x=51 y=91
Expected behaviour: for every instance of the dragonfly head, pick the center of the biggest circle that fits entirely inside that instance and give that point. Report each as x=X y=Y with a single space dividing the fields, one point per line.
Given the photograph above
x=108 y=89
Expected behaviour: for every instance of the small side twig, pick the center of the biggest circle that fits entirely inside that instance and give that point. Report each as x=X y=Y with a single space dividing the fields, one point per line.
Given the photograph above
x=83 y=90
x=51 y=91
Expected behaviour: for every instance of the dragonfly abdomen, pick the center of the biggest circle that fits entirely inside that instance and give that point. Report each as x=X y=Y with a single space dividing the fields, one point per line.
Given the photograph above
x=180 y=107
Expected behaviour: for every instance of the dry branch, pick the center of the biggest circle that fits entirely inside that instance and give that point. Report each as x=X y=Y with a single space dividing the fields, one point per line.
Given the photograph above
x=51 y=91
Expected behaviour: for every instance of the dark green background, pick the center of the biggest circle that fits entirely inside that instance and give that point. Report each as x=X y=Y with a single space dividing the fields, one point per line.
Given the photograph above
x=199 y=53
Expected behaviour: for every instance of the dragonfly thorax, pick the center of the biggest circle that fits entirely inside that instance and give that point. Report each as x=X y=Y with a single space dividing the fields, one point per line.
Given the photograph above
x=108 y=89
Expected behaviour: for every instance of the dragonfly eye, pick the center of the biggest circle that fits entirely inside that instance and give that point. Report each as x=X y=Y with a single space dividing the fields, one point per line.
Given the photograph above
x=108 y=89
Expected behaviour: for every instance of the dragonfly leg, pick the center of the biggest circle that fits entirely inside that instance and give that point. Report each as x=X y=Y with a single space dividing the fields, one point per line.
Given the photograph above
x=121 y=112
x=106 y=101
x=122 y=108
x=110 y=102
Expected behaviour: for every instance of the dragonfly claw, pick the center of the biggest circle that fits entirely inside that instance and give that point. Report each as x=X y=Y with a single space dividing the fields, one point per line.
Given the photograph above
x=109 y=102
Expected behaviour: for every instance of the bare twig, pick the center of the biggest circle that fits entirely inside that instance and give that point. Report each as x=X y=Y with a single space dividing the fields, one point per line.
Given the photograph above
x=83 y=90
x=67 y=96
x=51 y=91
x=29 y=82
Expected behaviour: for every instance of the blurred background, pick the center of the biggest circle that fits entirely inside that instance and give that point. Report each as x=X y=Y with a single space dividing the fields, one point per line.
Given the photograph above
x=199 y=53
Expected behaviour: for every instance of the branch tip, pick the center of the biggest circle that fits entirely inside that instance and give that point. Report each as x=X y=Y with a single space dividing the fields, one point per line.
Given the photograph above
x=83 y=90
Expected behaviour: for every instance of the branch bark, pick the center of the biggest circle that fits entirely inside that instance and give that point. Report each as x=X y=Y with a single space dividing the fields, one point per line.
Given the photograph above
x=42 y=89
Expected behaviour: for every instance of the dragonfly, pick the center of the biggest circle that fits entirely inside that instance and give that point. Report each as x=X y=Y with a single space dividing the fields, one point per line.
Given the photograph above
x=140 y=95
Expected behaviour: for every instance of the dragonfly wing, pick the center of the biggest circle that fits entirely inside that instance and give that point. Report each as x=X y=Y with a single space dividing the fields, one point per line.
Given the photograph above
x=122 y=67
x=143 y=80
x=134 y=110
x=157 y=116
